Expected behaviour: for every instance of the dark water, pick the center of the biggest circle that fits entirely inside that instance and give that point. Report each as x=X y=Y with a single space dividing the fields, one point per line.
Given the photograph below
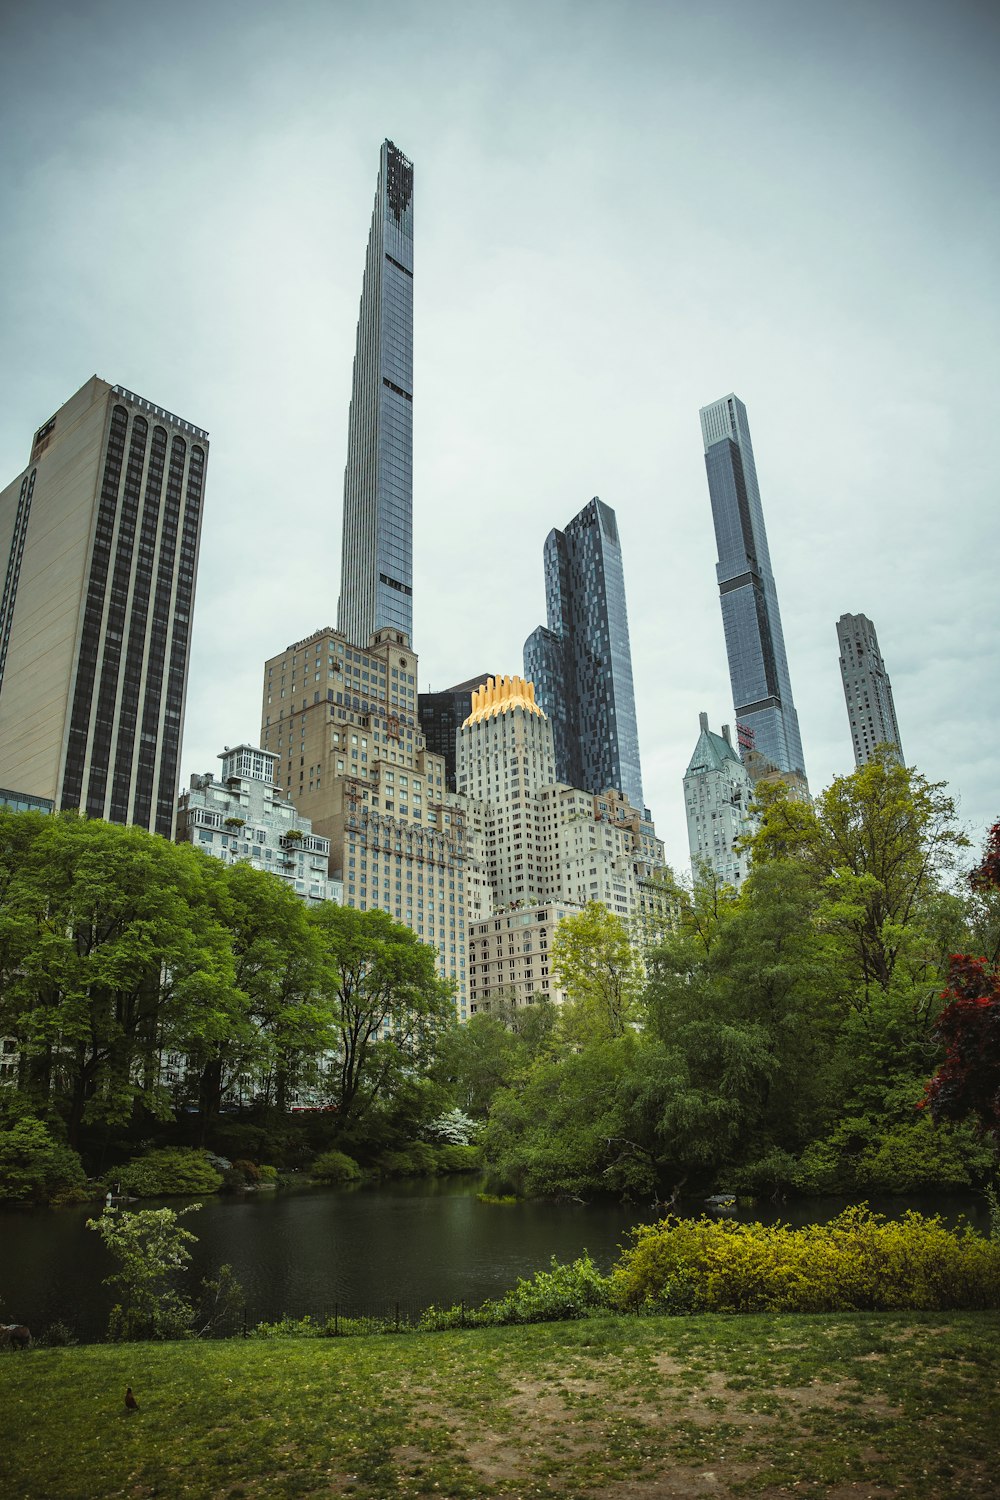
x=297 y=1252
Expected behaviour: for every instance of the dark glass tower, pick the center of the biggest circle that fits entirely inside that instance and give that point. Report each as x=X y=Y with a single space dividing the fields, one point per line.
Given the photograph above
x=581 y=664
x=376 y=568
x=758 y=667
x=442 y=716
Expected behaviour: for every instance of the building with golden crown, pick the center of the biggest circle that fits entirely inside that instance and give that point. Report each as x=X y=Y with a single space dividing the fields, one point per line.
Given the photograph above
x=547 y=848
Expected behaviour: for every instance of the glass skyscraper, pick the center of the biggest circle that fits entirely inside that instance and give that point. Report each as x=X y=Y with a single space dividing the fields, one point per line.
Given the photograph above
x=581 y=665
x=376 y=568
x=758 y=667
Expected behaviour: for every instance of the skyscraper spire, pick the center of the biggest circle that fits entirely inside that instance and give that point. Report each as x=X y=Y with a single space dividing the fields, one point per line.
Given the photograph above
x=758 y=667
x=376 y=565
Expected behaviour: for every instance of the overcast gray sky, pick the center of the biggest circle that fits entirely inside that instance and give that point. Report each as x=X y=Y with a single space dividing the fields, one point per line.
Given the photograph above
x=623 y=211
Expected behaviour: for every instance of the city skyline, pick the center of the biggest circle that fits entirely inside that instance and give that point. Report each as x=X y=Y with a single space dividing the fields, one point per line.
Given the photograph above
x=856 y=317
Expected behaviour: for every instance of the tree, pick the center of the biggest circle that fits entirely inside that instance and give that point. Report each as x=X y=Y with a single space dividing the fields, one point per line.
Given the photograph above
x=111 y=954
x=387 y=1005
x=566 y=1127
x=33 y=1166
x=966 y=1085
x=593 y=961
x=275 y=1021
x=151 y=1249
x=884 y=837
x=492 y=1050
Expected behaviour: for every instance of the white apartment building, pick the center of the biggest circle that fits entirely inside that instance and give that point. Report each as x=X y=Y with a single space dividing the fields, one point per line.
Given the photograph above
x=244 y=818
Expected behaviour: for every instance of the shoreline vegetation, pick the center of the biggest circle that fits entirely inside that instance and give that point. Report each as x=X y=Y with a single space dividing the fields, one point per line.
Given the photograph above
x=177 y=1026
x=863 y=1404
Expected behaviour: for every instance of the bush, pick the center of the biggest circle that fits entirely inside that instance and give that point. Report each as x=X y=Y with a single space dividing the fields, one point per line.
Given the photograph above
x=859 y=1262
x=169 y=1172
x=866 y=1155
x=34 y=1166
x=561 y=1292
x=335 y=1166
x=418 y=1159
x=151 y=1250
x=58 y=1335
x=267 y=1174
x=459 y=1159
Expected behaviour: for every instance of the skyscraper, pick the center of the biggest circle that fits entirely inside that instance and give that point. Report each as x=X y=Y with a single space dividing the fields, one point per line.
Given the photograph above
x=548 y=848
x=867 y=690
x=376 y=567
x=581 y=665
x=100 y=533
x=758 y=667
x=342 y=723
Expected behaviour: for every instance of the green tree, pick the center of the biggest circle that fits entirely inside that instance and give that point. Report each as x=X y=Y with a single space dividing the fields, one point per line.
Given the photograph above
x=592 y=959
x=34 y=1166
x=275 y=1023
x=111 y=954
x=492 y=1050
x=881 y=841
x=567 y=1126
x=387 y=1004
x=750 y=1004
x=151 y=1249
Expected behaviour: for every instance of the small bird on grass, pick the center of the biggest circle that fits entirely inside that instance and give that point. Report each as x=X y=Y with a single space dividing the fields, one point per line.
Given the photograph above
x=131 y=1404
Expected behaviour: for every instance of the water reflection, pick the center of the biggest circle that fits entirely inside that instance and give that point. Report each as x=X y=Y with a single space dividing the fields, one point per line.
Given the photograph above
x=418 y=1242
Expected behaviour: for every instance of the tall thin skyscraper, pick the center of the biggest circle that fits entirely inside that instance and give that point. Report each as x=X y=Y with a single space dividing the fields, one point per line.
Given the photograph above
x=581 y=665
x=758 y=667
x=867 y=690
x=100 y=537
x=376 y=567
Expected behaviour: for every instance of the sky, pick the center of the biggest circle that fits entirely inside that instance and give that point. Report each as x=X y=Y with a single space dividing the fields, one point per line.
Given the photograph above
x=623 y=211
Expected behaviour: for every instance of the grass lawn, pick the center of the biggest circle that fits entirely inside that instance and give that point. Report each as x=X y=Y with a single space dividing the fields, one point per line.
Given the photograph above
x=842 y=1406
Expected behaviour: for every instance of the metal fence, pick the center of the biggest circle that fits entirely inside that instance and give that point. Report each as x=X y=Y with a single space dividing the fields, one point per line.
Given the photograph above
x=339 y=1319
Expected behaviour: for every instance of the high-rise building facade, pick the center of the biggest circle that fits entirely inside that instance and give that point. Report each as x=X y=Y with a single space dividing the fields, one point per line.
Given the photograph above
x=442 y=716
x=548 y=848
x=100 y=538
x=718 y=792
x=342 y=723
x=867 y=690
x=755 y=646
x=376 y=567
x=581 y=663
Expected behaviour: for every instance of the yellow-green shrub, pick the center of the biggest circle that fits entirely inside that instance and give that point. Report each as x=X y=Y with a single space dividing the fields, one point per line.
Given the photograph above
x=858 y=1261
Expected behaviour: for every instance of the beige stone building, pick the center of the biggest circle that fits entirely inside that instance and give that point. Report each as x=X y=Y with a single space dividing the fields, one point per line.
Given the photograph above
x=509 y=956
x=99 y=541
x=342 y=723
x=549 y=848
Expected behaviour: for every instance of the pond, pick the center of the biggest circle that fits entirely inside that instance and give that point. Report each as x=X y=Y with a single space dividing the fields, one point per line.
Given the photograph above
x=411 y=1242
